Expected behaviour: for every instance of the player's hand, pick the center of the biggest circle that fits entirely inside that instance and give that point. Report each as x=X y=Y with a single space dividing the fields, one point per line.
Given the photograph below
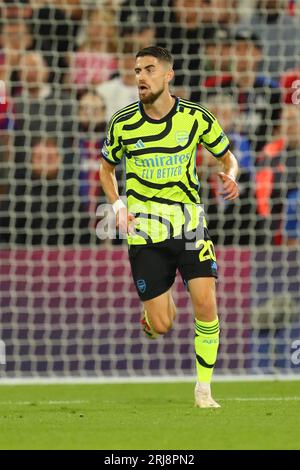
x=125 y=221
x=230 y=187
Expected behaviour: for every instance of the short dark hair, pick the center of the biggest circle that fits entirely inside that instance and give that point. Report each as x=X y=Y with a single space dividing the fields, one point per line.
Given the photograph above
x=247 y=35
x=155 y=51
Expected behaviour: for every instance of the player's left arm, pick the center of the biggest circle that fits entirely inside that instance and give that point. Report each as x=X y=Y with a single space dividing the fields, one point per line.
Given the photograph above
x=228 y=176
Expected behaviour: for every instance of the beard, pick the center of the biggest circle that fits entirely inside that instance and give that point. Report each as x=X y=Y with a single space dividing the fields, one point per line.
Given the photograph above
x=151 y=97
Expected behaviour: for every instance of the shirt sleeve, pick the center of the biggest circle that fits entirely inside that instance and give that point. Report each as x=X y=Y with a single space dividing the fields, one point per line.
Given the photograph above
x=112 y=150
x=214 y=138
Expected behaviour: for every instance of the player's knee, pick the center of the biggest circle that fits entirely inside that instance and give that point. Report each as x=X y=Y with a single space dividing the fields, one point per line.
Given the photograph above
x=206 y=309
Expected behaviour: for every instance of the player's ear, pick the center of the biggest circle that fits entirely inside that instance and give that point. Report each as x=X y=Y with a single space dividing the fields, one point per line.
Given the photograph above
x=170 y=75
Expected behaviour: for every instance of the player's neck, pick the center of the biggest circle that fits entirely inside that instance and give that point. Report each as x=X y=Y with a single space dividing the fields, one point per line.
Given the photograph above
x=161 y=107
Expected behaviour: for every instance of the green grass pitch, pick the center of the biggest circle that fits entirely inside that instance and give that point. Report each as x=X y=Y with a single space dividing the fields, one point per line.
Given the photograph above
x=151 y=416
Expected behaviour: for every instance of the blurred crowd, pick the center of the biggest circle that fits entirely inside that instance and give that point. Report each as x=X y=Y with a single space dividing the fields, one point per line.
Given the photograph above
x=66 y=66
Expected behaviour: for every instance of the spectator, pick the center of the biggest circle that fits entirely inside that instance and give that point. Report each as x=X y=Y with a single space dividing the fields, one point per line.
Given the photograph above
x=6 y=124
x=15 y=39
x=6 y=111
x=122 y=90
x=73 y=9
x=45 y=208
x=183 y=32
x=217 y=53
x=34 y=75
x=220 y=12
x=292 y=218
x=16 y=9
x=54 y=33
x=49 y=28
x=92 y=132
x=217 y=65
x=134 y=12
x=40 y=109
x=279 y=33
x=95 y=60
x=92 y=127
x=293 y=8
x=290 y=132
x=278 y=175
x=137 y=27
x=259 y=98
x=230 y=222
x=225 y=107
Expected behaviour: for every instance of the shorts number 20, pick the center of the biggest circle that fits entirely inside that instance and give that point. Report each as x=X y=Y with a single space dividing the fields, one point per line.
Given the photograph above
x=207 y=251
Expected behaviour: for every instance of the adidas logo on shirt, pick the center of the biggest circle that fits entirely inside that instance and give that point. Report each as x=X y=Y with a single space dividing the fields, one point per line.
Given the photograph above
x=140 y=144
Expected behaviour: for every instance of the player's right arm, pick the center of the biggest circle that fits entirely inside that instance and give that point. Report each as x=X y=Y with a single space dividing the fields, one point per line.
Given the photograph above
x=108 y=181
x=109 y=184
x=112 y=154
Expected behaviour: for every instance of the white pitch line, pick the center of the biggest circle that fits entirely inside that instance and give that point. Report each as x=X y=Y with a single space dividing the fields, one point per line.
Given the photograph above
x=142 y=380
x=260 y=399
x=49 y=402
x=81 y=402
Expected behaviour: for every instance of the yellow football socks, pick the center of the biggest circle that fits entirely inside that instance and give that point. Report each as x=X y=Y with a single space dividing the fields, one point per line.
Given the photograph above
x=206 y=347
